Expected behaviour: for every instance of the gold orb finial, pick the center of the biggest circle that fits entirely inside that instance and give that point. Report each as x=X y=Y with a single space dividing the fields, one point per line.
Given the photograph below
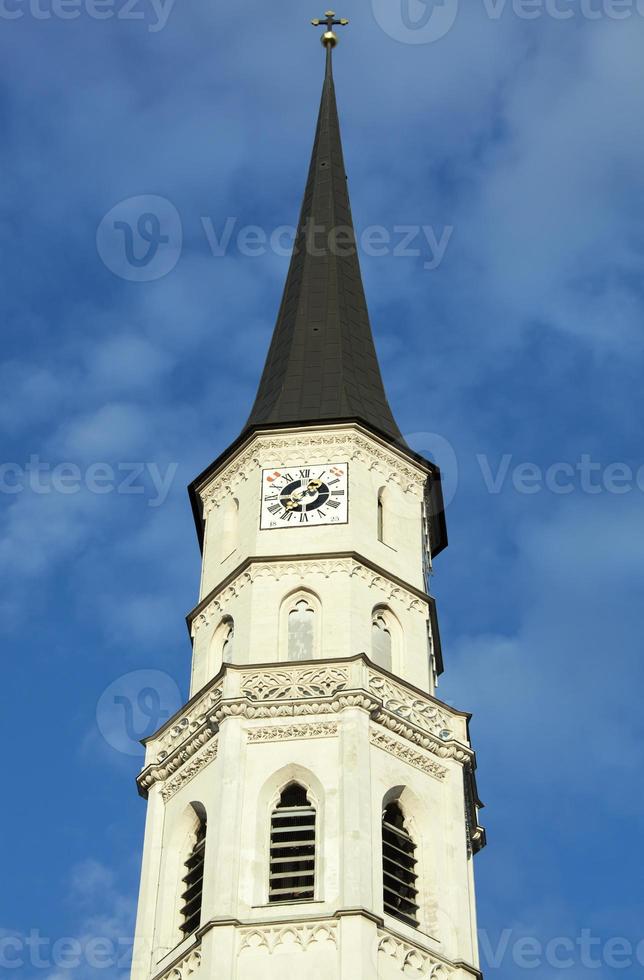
x=329 y=39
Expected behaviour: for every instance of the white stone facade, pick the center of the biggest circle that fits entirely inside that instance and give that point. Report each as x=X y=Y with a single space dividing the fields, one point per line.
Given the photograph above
x=355 y=734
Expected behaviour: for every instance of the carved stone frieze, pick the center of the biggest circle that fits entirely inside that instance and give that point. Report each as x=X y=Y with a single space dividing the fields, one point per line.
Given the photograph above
x=307 y=682
x=294 y=709
x=185 y=968
x=311 y=448
x=288 y=732
x=294 y=692
x=305 y=568
x=302 y=935
x=412 y=960
x=449 y=750
x=189 y=770
x=420 y=712
x=402 y=751
x=158 y=772
x=190 y=722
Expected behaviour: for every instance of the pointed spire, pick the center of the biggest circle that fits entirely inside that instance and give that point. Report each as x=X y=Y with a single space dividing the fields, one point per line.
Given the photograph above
x=322 y=362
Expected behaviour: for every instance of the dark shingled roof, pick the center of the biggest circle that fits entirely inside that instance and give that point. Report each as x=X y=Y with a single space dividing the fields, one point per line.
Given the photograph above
x=322 y=362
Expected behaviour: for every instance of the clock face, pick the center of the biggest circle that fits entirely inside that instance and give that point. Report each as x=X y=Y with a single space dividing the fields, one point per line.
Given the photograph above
x=305 y=496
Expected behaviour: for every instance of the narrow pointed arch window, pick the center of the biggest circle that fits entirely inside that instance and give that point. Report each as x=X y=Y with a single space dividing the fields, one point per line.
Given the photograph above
x=228 y=643
x=292 y=847
x=230 y=528
x=301 y=630
x=381 y=514
x=381 y=640
x=399 y=867
x=192 y=894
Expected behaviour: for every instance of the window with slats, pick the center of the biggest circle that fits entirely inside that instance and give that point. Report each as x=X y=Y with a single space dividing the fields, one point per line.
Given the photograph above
x=192 y=895
x=398 y=867
x=292 y=848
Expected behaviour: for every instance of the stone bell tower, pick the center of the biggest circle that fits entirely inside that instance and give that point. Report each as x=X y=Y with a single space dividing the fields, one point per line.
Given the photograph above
x=312 y=810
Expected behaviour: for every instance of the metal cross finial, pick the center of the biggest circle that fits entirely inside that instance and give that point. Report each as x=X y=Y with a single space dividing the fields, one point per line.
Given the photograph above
x=330 y=38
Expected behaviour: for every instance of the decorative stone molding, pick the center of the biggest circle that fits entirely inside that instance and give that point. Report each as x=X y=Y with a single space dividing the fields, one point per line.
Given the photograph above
x=304 y=936
x=451 y=750
x=288 y=732
x=280 y=450
x=412 y=960
x=179 y=743
x=304 y=569
x=160 y=771
x=293 y=692
x=420 y=712
x=185 y=968
x=190 y=722
x=189 y=770
x=294 y=709
x=309 y=682
x=407 y=754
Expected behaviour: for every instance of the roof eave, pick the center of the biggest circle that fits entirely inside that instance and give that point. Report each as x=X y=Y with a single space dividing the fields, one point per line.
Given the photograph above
x=438 y=523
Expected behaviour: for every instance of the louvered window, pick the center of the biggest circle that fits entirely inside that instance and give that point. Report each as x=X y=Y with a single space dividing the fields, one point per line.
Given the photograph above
x=292 y=857
x=398 y=867
x=193 y=882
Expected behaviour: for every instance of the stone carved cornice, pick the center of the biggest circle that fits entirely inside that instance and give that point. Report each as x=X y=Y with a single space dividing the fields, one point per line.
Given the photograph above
x=420 y=712
x=179 y=741
x=283 y=733
x=350 y=443
x=414 y=960
x=293 y=709
x=292 y=691
x=305 y=568
x=183 y=968
x=189 y=770
x=302 y=935
x=407 y=754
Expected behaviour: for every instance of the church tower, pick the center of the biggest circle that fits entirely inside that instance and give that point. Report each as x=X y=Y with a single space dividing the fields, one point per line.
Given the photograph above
x=312 y=810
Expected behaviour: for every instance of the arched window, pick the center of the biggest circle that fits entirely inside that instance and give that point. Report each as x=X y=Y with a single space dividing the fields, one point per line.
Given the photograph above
x=230 y=525
x=381 y=514
x=292 y=849
x=301 y=630
x=228 y=643
x=398 y=867
x=192 y=895
x=381 y=642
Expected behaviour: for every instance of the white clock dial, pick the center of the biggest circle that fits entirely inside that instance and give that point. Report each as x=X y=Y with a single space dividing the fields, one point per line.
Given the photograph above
x=305 y=496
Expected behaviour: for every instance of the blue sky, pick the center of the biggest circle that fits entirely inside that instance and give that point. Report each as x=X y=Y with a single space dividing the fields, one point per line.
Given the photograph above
x=518 y=129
